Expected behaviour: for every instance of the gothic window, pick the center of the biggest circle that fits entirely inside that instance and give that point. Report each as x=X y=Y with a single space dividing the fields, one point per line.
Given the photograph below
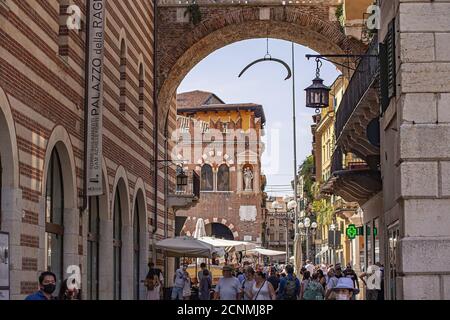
x=223 y=178
x=207 y=178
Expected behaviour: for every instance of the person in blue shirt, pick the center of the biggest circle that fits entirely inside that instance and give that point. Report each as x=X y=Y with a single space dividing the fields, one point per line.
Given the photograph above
x=289 y=285
x=47 y=286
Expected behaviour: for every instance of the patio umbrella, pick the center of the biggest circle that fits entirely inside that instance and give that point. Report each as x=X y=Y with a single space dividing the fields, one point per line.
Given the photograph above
x=186 y=247
x=200 y=230
x=298 y=254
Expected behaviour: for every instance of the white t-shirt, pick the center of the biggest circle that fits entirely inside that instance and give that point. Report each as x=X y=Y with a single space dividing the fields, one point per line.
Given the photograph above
x=264 y=293
x=228 y=288
x=373 y=277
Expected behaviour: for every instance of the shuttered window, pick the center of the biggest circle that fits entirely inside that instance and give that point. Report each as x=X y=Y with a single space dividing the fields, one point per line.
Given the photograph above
x=388 y=68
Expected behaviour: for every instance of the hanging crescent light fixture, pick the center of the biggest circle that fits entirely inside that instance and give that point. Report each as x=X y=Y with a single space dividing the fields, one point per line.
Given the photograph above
x=268 y=58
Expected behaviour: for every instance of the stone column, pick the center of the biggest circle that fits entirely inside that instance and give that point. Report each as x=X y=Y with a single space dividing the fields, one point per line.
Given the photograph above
x=240 y=178
x=106 y=277
x=71 y=236
x=416 y=149
x=127 y=263
x=11 y=222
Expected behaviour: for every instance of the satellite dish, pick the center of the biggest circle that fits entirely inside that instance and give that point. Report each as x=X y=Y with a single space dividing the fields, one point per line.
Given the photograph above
x=373 y=132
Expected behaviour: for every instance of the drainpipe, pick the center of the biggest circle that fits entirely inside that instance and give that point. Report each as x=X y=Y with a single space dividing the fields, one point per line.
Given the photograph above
x=155 y=109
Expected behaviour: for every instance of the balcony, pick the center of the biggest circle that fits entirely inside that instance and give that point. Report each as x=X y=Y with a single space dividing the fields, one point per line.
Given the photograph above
x=352 y=181
x=359 y=106
x=186 y=197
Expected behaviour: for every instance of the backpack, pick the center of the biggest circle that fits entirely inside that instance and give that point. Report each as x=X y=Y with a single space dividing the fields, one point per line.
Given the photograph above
x=290 y=292
x=313 y=291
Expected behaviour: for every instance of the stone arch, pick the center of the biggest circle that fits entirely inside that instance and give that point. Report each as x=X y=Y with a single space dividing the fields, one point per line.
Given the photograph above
x=123 y=39
x=121 y=185
x=291 y=23
x=8 y=145
x=60 y=140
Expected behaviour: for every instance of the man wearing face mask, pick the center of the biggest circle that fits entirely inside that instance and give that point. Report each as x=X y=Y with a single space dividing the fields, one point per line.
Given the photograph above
x=47 y=286
x=344 y=289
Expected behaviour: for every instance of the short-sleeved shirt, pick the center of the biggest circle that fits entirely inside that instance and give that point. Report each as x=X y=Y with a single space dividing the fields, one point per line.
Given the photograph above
x=373 y=277
x=228 y=288
x=36 y=296
x=180 y=279
x=332 y=282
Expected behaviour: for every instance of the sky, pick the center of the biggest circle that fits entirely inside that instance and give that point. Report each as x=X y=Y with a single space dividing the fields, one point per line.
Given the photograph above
x=264 y=84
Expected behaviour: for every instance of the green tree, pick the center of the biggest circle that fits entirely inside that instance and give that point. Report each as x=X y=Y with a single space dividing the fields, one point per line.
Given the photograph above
x=307 y=173
x=324 y=211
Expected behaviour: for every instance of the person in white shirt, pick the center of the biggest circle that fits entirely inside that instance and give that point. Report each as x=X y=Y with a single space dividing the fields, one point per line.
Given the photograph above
x=372 y=280
x=229 y=287
x=179 y=283
x=309 y=267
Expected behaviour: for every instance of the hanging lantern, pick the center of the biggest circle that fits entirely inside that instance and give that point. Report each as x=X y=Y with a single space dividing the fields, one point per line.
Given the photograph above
x=318 y=94
x=182 y=178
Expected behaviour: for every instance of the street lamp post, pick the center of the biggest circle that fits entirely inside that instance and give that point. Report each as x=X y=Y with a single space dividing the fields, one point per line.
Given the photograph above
x=307 y=229
x=291 y=206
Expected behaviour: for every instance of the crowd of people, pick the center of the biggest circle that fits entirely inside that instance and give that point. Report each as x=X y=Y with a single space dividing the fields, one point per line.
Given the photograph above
x=248 y=282
x=255 y=282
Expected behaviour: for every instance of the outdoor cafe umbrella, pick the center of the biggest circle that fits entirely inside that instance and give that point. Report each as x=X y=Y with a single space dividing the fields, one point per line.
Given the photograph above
x=186 y=247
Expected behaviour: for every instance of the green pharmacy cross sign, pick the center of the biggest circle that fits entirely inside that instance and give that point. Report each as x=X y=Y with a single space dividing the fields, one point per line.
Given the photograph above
x=353 y=231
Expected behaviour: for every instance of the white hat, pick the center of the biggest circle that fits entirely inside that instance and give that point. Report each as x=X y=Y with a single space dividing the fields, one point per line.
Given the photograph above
x=346 y=283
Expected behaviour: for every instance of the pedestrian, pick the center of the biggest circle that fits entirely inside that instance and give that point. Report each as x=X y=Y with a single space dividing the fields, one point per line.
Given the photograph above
x=69 y=292
x=372 y=281
x=200 y=273
x=179 y=283
x=248 y=283
x=305 y=281
x=241 y=275
x=187 y=292
x=309 y=267
x=351 y=274
x=289 y=285
x=344 y=289
x=262 y=289
x=47 y=286
x=229 y=287
x=331 y=284
x=312 y=289
x=338 y=271
x=274 y=279
x=205 y=285
x=153 y=281
x=322 y=279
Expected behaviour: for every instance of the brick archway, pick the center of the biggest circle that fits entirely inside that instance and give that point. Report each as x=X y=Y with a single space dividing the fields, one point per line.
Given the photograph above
x=182 y=45
x=189 y=226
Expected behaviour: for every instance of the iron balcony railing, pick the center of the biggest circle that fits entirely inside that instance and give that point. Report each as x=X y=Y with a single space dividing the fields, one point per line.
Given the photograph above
x=192 y=188
x=366 y=73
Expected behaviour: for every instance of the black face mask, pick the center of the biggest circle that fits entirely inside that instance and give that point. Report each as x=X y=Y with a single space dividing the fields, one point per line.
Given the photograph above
x=49 y=288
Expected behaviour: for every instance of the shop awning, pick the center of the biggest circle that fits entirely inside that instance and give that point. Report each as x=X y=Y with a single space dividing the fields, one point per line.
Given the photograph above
x=324 y=249
x=267 y=252
x=229 y=245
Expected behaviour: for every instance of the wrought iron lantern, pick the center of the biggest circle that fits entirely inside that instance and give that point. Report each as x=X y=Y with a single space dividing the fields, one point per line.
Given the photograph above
x=318 y=94
x=182 y=178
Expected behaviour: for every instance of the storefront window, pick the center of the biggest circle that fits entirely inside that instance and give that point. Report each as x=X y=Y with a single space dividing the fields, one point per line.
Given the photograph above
x=376 y=239
x=369 y=249
x=394 y=235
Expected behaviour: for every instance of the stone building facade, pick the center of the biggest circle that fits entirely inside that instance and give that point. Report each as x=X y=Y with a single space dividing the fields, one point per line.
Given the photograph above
x=222 y=143
x=42 y=92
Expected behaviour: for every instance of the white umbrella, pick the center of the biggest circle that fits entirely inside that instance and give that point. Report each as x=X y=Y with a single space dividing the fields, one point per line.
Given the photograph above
x=200 y=230
x=186 y=247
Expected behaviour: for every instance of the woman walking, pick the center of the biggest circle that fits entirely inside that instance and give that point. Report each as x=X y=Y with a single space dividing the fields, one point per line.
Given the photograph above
x=262 y=289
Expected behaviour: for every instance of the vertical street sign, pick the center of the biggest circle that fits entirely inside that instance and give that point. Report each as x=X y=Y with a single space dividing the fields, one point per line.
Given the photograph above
x=95 y=47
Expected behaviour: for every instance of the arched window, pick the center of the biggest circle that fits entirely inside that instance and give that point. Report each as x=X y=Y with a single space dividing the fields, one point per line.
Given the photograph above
x=207 y=178
x=93 y=249
x=117 y=244
x=123 y=76
x=54 y=218
x=141 y=96
x=223 y=178
x=136 y=252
